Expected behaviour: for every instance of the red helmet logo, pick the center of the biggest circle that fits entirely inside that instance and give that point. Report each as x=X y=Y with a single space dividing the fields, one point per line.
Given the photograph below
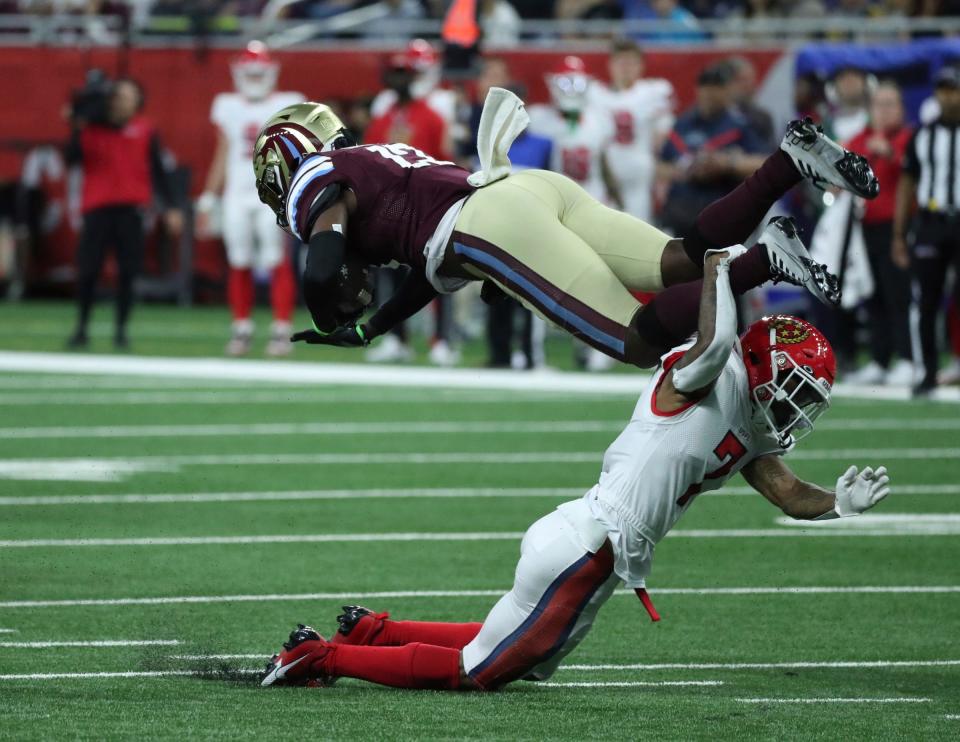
x=790 y=370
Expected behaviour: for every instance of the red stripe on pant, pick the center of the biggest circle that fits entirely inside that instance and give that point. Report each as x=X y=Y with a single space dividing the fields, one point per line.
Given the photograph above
x=548 y=633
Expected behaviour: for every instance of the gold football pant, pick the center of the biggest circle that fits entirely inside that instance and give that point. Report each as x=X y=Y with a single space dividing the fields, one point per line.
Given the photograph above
x=545 y=241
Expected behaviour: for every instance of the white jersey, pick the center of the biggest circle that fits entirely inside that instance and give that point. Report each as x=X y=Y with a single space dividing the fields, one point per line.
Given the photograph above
x=662 y=460
x=577 y=146
x=641 y=116
x=240 y=120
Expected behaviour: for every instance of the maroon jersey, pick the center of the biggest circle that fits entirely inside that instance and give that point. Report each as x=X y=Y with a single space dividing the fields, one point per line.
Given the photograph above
x=401 y=196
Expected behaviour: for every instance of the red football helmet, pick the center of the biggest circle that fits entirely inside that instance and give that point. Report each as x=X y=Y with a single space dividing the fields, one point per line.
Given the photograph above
x=420 y=59
x=790 y=370
x=569 y=83
x=255 y=71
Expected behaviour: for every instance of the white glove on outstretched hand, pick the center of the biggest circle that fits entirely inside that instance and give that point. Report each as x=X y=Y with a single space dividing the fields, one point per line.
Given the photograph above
x=859 y=492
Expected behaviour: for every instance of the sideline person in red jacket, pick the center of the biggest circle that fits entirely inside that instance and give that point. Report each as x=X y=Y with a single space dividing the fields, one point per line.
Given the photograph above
x=120 y=154
x=883 y=143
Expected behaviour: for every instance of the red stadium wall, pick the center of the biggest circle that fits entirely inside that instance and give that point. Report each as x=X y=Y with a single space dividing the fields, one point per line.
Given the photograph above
x=36 y=84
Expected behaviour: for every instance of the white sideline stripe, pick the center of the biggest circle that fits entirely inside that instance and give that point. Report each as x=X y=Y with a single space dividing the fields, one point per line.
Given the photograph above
x=331 y=428
x=411 y=427
x=948 y=528
x=378 y=376
x=397 y=594
x=872 y=664
x=632 y=684
x=906 y=699
x=103 y=643
x=320 y=374
x=402 y=493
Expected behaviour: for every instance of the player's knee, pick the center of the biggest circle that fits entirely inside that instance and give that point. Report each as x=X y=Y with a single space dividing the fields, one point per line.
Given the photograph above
x=646 y=339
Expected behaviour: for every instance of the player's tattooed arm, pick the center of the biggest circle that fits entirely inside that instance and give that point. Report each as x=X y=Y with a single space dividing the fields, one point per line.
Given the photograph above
x=693 y=375
x=773 y=479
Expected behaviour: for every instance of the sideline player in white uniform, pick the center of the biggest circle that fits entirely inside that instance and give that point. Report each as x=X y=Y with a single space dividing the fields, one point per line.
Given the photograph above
x=641 y=110
x=713 y=408
x=579 y=132
x=252 y=238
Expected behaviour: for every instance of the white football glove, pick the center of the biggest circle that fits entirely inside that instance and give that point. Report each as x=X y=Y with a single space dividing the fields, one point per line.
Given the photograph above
x=859 y=492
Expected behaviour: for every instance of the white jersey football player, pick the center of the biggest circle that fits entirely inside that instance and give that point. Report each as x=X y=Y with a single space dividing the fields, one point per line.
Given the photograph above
x=715 y=407
x=252 y=238
x=580 y=133
x=641 y=110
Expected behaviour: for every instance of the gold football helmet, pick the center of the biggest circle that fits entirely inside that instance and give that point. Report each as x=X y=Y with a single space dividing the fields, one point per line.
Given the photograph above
x=289 y=136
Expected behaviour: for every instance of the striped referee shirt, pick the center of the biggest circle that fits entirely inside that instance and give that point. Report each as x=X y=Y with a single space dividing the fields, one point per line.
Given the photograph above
x=932 y=158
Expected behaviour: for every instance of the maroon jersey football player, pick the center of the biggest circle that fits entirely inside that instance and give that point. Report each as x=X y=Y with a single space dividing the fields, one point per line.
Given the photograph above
x=533 y=235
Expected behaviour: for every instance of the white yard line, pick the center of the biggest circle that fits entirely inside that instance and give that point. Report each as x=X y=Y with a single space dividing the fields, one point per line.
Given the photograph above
x=548 y=427
x=931 y=527
x=278 y=396
x=61 y=468
x=9 y=631
x=633 y=684
x=92 y=675
x=370 y=375
x=96 y=644
x=386 y=493
x=328 y=428
x=851 y=664
x=201 y=497
x=903 y=699
x=418 y=594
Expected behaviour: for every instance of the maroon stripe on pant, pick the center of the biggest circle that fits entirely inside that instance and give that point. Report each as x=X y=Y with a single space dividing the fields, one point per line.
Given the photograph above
x=547 y=634
x=574 y=305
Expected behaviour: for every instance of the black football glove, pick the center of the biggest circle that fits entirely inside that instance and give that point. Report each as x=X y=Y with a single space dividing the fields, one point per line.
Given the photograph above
x=351 y=336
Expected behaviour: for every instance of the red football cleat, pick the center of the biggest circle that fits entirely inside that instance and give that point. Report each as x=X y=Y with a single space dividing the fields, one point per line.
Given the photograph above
x=358 y=625
x=300 y=662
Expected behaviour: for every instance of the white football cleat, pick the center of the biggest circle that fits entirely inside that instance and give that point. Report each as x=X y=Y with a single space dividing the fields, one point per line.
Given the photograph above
x=390 y=349
x=824 y=162
x=441 y=354
x=902 y=373
x=790 y=261
x=279 y=343
x=241 y=338
x=872 y=373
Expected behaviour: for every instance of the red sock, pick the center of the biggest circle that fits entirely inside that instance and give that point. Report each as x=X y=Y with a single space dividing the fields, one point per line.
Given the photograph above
x=282 y=292
x=455 y=635
x=240 y=292
x=411 y=666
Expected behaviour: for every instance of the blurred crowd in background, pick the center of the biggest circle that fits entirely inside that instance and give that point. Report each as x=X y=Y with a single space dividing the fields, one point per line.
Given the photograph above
x=668 y=20
x=621 y=135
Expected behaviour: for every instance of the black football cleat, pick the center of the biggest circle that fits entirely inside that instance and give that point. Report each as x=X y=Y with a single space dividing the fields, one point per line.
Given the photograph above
x=358 y=625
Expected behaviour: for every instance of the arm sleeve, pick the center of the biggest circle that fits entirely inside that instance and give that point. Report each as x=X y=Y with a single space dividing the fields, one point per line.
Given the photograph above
x=412 y=296
x=161 y=174
x=73 y=151
x=705 y=369
x=325 y=255
x=911 y=163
